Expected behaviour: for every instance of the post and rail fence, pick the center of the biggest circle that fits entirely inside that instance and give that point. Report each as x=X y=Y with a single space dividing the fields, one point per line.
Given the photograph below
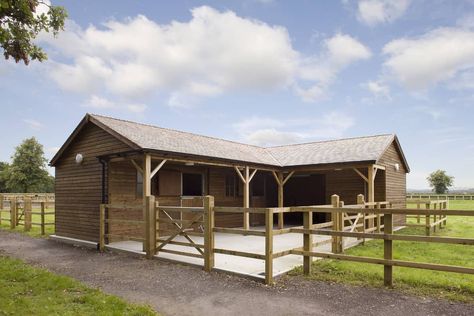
x=346 y=221
x=22 y=208
x=434 y=196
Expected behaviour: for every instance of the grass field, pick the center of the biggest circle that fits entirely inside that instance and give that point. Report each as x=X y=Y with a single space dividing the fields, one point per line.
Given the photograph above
x=25 y=290
x=453 y=286
x=35 y=230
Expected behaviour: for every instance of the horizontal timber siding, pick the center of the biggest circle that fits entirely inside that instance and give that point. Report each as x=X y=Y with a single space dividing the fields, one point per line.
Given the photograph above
x=78 y=188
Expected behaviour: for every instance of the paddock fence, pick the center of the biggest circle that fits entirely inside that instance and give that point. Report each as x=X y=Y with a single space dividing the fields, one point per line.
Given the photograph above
x=22 y=210
x=433 y=196
x=346 y=221
x=430 y=222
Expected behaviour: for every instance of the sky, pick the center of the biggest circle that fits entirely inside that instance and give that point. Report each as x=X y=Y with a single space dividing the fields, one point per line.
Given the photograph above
x=264 y=72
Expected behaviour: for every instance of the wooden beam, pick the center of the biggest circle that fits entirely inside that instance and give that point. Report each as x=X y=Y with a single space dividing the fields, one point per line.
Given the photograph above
x=253 y=173
x=288 y=177
x=155 y=171
x=146 y=193
x=375 y=173
x=361 y=175
x=246 y=198
x=240 y=174
x=276 y=178
x=379 y=167
x=370 y=186
x=139 y=169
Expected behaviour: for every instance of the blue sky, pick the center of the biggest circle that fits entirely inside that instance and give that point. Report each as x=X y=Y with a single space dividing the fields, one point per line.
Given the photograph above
x=263 y=72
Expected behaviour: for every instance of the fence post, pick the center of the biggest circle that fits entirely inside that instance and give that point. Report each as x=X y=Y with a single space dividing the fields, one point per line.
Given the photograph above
x=361 y=201
x=13 y=212
x=102 y=227
x=43 y=230
x=27 y=206
x=388 y=250
x=428 y=224
x=307 y=241
x=269 y=246
x=150 y=226
x=208 y=233
x=377 y=206
x=336 y=225
x=1 y=202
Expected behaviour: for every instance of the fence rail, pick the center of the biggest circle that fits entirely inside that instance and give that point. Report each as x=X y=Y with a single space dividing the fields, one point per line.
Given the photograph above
x=21 y=213
x=345 y=221
x=432 y=196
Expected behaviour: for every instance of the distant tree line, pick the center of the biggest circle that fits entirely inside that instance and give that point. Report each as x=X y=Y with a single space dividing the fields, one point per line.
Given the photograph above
x=27 y=172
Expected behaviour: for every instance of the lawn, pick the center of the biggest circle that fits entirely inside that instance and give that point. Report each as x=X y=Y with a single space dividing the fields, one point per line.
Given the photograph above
x=453 y=286
x=35 y=229
x=25 y=290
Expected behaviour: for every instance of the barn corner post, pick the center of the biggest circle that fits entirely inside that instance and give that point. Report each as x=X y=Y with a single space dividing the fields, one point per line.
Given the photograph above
x=146 y=193
x=102 y=227
x=209 y=241
x=268 y=246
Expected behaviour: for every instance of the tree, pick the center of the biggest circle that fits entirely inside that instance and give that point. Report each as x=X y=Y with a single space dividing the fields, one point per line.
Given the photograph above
x=21 y=21
x=27 y=172
x=3 y=176
x=440 y=181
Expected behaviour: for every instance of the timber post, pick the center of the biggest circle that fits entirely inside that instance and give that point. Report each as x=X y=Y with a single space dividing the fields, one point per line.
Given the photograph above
x=13 y=210
x=102 y=228
x=1 y=201
x=361 y=201
x=388 y=250
x=336 y=224
x=307 y=241
x=27 y=209
x=42 y=207
x=379 y=217
x=428 y=222
x=208 y=233
x=150 y=224
x=269 y=246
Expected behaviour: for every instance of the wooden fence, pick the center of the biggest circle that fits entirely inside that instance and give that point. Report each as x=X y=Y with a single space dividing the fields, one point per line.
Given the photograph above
x=200 y=222
x=431 y=222
x=21 y=213
x=432 y=196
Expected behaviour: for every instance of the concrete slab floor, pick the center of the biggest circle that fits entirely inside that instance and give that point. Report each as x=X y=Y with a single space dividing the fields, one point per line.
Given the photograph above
x=245 y=266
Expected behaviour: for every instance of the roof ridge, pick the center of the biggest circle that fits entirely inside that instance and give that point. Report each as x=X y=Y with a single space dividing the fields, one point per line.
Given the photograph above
x=330 y=140
x=178 y=131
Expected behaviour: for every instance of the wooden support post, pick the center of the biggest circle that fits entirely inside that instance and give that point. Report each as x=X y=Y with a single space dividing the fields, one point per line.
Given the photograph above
x=43 y=228
x=146 y=192
x=336 y=222
x=434 y=217
x=371 y=190
x=388 y=250
x=379 y=217
x=280 y=199
x=427 y=223
x=269 y=246
x=418 y=217
x=361 y=201
x=307 y=242
x=209 y=243
x=246 y=198
x=13 y=210
x=1 y=202
x=151 y=226
x=102 y=227
x=27 y=205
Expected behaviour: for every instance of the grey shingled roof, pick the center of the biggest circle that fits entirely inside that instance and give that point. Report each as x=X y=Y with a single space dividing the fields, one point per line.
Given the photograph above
x=369 y=148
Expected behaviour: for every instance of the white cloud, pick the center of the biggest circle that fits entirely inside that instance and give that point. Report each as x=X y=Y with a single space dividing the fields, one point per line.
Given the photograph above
x=212 y=53
x=378 y=89
x=99 y=103
x=436 y=56
x=339 y=52
x=136 y=108
x=372 y=12
x=269 y=132
x=33 y=124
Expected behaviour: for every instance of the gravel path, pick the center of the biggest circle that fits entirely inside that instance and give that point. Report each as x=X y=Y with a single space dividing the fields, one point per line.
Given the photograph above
x=174 y=289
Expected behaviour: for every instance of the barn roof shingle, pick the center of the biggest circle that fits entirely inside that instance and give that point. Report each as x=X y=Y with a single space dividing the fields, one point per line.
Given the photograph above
x=369 y=148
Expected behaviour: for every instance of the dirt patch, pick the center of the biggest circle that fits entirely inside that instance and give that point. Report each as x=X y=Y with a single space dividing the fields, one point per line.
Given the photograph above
x=175 y=289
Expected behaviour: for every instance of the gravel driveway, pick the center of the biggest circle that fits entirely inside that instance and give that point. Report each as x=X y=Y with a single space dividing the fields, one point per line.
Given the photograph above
x=174 y=289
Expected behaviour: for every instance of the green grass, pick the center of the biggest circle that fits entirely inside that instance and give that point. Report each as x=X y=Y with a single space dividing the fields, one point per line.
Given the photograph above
x=25 y=290
x=452 y=286
x=35 y=230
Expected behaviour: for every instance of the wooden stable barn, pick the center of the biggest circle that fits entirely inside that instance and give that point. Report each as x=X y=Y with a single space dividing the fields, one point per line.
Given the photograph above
x=107 y=160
